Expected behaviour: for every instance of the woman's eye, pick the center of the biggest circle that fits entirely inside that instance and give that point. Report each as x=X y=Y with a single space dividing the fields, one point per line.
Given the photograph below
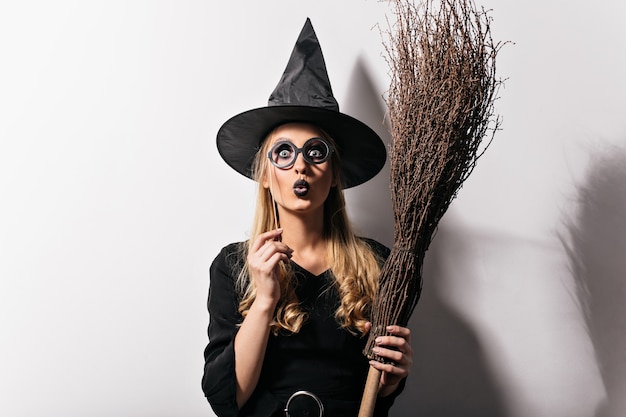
x=316 y=153
x=284 y=153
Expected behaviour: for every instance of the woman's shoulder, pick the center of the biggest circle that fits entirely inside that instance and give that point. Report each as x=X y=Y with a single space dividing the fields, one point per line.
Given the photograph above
x=231 y=255
x=378 y=248
x=233 y=248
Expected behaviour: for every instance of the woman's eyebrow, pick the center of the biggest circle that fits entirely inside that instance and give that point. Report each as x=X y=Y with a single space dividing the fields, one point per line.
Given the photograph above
x=289 y=139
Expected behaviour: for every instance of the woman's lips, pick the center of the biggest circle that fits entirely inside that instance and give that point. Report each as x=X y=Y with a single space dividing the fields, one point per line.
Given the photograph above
x=300 y=188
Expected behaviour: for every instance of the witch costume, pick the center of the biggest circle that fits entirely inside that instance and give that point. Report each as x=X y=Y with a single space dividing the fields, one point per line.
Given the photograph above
x=319 y=371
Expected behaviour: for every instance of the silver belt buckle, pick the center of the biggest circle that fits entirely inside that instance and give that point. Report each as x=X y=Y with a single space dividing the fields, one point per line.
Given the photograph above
x=304 y=404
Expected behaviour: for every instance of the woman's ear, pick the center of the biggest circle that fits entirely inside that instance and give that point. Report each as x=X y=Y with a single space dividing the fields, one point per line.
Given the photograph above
x=264 y=182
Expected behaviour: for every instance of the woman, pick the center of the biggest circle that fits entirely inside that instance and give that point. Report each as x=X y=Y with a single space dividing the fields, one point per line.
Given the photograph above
x=289 y=308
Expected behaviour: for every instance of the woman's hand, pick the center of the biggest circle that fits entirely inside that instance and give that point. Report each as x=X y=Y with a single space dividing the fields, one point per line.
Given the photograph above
x=264 y=257
x=263 y=262
x=396 y=347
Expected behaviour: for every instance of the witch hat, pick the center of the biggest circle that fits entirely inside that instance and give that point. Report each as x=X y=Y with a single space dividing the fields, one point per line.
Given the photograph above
x=304 y=94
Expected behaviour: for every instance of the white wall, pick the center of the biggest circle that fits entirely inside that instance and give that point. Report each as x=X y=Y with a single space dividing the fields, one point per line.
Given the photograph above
x=114 y=201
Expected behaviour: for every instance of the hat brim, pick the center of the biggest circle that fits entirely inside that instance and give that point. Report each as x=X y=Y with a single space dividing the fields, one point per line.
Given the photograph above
x=361 y=151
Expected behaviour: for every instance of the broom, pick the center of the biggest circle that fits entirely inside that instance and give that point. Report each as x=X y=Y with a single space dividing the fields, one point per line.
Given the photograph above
x=443 y=86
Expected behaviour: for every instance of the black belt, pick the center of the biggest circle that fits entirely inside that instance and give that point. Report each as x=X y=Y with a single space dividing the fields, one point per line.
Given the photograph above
x=304 y=404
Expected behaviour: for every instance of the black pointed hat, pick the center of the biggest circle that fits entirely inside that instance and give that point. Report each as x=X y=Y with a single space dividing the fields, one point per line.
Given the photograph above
x=304 y=95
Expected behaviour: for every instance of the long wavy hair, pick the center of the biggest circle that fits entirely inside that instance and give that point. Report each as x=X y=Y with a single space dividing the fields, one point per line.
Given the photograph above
x=354 y=265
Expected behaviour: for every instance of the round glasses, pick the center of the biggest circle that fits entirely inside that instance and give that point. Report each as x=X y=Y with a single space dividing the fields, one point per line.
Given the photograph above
x=314 y=151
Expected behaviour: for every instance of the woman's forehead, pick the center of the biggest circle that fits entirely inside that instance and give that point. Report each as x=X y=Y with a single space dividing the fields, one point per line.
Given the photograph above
x=295 y=131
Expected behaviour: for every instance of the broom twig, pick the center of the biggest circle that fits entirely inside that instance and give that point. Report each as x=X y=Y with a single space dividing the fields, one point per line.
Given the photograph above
x=441 y=98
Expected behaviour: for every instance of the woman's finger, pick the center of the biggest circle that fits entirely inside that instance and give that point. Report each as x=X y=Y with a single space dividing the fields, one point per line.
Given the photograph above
x=271 y=247
x=399 y=338
x=393 y=355
x=403 y=332
x=264 y=237
x=395 y=347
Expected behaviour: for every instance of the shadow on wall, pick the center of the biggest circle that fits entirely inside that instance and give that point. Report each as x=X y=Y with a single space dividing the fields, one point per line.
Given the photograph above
x=450 y=376
x=597 y=253
x=370 y=204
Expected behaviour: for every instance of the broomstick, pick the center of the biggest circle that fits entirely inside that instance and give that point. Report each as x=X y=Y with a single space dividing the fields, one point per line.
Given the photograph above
x=443 y=86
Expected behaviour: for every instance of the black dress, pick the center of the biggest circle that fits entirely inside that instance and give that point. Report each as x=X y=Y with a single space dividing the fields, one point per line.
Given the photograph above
x=322 y=358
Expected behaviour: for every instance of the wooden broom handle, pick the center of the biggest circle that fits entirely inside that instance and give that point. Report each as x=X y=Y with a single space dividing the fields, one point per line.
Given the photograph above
x=370 y=393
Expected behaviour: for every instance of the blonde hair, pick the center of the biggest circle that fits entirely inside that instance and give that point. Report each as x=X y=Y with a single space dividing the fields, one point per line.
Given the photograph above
x=354 y=265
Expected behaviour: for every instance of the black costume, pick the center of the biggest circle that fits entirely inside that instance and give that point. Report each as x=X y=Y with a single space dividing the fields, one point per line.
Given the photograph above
x=322 y=358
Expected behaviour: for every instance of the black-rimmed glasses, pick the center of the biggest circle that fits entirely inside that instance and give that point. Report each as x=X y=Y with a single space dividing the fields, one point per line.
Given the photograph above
x=283 y=154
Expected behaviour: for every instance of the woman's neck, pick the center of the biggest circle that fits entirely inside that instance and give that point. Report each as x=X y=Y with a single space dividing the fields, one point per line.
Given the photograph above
x=305 y=235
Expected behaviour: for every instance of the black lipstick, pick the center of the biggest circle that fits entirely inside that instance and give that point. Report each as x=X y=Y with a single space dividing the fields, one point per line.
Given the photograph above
x=300 y=188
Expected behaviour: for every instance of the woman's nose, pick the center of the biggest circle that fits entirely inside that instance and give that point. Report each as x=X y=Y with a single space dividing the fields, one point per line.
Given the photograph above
x=300 y=165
